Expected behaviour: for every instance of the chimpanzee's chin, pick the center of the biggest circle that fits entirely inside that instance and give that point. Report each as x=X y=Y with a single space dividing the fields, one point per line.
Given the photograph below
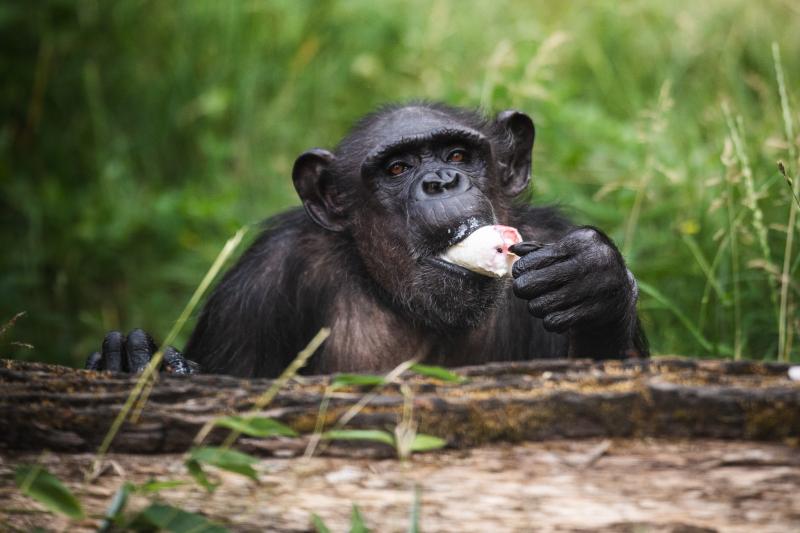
x=446 y=296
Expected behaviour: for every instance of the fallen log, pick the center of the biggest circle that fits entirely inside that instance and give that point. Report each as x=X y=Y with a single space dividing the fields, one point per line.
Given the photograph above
x=68 y=410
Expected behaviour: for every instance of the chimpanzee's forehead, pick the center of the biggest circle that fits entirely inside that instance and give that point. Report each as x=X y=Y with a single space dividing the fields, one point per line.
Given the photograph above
x=413 y=121
x=391 y=129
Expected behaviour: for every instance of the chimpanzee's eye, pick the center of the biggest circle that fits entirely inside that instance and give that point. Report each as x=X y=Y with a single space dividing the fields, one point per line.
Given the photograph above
x=457 y=156
x=396 y=168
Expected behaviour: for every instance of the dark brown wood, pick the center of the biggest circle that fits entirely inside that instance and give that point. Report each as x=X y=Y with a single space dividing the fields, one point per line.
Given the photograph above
x=62 y=409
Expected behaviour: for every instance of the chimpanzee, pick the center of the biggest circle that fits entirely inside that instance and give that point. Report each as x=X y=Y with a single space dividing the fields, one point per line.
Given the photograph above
x=362 y=258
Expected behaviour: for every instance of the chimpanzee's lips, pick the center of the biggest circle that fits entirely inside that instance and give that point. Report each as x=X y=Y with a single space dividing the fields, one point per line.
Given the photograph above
x=452 y=268
x=454 y=236
x=464 y=229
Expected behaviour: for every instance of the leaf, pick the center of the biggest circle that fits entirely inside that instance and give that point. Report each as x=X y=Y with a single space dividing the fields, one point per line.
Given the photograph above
x=356 y=380
x=436 y=372
x=226 y=459
x=200 y=476
x=39 y=484
x=153 y=485
x=256 y=426
x=319 y=524
x=160 y=516
x=375 y=435
x=424 y=443
x=357 y=521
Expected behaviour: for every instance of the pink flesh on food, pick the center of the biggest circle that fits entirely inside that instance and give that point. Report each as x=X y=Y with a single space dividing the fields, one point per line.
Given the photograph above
x=510 y=236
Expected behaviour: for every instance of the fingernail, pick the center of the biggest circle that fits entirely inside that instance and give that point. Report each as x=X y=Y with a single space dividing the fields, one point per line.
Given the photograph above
x=526 y=247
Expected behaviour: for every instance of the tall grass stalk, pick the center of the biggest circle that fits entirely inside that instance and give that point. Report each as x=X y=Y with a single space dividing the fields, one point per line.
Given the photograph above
x=733 y=232
x=707 y=268
x=657 y=121
x=750 y=199
x=266 y=398
x=666 y=303
x=706 y=298
x=148 y=376
x=356 y=408
x=784 y=330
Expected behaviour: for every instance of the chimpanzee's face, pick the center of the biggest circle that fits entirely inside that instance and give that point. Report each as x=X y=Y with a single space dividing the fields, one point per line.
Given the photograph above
x=408 y=183
x=428 y=181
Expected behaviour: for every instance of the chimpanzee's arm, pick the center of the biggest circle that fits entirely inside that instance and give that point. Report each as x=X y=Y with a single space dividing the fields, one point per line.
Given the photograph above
x=251 y=324
x=578 y=284
x=269 y=304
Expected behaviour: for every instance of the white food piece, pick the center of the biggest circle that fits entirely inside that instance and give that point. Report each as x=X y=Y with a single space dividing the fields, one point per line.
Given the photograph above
x=485 y=251
x=794 y=373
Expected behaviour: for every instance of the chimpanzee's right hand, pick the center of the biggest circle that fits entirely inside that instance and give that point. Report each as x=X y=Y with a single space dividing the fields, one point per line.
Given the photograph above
x=132 y=354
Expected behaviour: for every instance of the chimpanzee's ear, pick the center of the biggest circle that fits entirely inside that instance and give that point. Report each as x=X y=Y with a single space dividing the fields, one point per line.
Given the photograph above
x=310 y=178
x=517 y=157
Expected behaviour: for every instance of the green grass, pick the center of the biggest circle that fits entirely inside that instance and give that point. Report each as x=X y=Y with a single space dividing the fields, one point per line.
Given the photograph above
x=137 y=136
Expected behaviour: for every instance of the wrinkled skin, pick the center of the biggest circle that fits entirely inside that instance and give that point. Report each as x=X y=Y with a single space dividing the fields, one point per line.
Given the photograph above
x=578 y=285
x=362 y=259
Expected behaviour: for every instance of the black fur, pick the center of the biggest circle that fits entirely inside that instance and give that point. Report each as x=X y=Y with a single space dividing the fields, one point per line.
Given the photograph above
x=357 y=260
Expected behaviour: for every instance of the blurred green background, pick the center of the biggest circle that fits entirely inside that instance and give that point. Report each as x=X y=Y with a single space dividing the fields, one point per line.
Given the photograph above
x=137 y=136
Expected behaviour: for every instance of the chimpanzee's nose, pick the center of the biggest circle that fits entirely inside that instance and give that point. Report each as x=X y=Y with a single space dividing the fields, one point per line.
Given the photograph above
x=441 y=184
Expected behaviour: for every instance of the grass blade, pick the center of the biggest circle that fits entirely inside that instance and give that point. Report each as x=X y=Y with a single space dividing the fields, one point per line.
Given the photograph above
x=150 y=371
x=667 y=303
x=153 y=486
x=356 y=380
x=114 y=511
x=165 y=517
x=425 y=443
x=256 y=426
x=413 y=523
x=319 y=524
x=436 y=372
x=264 y=400
x=226 y=459
x=196 y=471
x=374 y=435
x=784 y=320
x=357 y=521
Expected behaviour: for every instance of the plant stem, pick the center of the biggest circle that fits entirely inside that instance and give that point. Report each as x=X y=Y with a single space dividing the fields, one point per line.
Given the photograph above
x=737 y=303
x=784 y=319
x=148 y=377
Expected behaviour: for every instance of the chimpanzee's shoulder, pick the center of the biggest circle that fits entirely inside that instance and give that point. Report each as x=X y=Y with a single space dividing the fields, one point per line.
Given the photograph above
x=294 y=241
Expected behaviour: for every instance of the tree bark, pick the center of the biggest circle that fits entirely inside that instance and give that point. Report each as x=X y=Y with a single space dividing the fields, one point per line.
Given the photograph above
x=63 y=409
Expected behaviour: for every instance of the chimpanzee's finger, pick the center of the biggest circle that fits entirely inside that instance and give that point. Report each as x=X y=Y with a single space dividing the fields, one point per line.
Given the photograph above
x=139 y=348
x=541 y=258
x=526 y=247
x=558 y=300
x=532 y=283
x=93 y=361
x=561 y=321
x=113 y=348
x=175 y=363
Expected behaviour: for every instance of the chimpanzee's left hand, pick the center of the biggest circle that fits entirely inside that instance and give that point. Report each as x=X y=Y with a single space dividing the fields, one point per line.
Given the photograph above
x=132 y=353
x=579 y=285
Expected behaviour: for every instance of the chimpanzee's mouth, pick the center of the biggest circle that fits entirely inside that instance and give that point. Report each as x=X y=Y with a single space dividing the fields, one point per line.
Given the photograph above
x=452 y=268
x=463 y=230
x=454 y=236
